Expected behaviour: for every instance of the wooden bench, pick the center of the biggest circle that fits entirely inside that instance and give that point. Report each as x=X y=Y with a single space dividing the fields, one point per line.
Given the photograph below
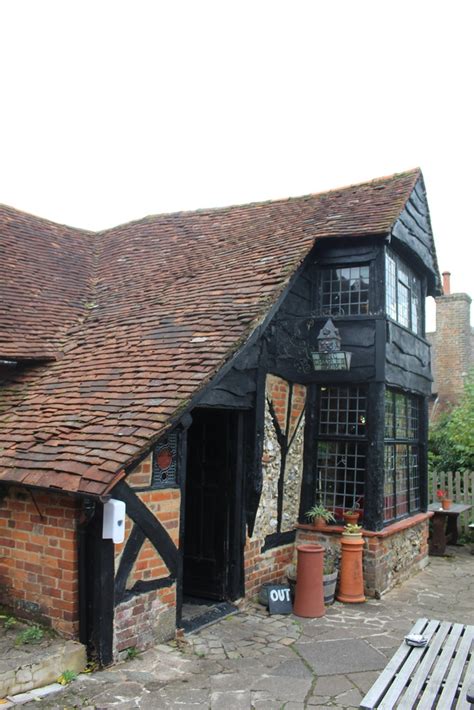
x=437 y=675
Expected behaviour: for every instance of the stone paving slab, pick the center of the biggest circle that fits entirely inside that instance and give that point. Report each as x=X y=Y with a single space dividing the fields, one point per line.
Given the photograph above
x=342 y=656
x=256 y=662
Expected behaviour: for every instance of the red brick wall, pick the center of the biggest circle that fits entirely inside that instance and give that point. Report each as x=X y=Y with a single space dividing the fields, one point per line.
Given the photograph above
x=269 y=566
x=140 y=477
x=38 y=558
x=164 y=504
x=146 y=618
x=451 y=348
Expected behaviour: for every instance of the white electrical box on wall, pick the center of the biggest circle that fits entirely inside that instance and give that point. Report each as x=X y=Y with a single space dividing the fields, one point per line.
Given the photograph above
x=113 y=526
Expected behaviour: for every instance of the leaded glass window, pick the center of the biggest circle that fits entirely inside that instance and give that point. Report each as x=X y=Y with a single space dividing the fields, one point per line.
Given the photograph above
x=391 y=286
x=344 y=291
x=402 y=293
x=342 y=447
x=342 y=411
x=402 y=476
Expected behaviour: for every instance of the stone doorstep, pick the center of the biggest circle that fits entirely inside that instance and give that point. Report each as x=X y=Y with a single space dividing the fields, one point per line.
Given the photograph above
x=44 y=670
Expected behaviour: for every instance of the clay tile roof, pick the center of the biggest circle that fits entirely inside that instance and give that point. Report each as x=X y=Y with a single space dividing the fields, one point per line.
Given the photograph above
x=44 y=270
x=140 y=317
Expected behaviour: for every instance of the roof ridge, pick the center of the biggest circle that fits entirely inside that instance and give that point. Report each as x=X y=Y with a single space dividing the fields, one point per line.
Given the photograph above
x=45 y=220
x=416 y=172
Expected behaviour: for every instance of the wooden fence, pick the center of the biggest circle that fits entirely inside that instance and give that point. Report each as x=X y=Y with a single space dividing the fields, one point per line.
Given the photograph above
x=460 y=487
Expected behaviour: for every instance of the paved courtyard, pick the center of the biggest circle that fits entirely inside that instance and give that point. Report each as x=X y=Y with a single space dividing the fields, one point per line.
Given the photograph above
x=251 y=660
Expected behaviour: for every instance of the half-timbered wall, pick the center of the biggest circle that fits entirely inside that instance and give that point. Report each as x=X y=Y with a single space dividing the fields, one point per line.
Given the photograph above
x=270 y=549
x=282 y=460
x=145 y=586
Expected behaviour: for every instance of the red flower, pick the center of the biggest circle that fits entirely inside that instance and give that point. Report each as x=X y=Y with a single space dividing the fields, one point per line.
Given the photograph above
x=440 y=494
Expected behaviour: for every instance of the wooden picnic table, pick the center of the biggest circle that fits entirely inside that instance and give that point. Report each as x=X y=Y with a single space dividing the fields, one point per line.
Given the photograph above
x=436 y=675
x=445 y=526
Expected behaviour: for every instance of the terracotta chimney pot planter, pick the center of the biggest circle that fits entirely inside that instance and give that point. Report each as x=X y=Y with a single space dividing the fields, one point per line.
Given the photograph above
x=309 y=595
x=351 y=579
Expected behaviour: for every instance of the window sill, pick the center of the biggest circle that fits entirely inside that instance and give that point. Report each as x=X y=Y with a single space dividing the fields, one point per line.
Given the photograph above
x=387 y=531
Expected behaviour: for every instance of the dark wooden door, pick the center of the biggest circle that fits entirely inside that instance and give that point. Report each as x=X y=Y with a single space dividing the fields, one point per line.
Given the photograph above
x=211 y=488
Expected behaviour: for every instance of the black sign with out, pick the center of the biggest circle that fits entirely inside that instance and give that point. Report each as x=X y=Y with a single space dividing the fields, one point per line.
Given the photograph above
x=279 y=599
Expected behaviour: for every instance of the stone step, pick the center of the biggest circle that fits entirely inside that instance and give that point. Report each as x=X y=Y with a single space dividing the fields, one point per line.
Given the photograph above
x=24 y=669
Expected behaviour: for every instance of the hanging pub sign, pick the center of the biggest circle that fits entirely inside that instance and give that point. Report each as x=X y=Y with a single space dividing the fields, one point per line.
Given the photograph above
x=329 y=355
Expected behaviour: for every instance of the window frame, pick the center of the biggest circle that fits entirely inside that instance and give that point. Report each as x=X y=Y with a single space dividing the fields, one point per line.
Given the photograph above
x=404 y=445
x=358 y=441
x=330 y=312
x=401 y=279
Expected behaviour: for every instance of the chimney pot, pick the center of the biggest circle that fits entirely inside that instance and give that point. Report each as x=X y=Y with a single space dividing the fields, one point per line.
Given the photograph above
x=446 y=283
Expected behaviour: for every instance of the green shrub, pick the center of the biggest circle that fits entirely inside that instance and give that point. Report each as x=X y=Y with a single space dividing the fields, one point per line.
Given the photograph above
x=451 y=439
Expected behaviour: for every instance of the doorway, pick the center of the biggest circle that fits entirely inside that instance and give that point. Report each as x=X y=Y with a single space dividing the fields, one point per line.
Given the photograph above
x=213 y=524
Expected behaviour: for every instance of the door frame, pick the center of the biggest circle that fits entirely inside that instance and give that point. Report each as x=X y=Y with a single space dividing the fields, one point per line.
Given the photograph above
x=234 y=566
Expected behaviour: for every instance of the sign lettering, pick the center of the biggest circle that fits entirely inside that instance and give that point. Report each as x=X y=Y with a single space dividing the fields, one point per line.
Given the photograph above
x=279 y=599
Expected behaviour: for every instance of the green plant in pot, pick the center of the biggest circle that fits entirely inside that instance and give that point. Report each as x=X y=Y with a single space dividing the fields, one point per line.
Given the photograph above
x=352 y=530
x=351 y=516
x=320 y=516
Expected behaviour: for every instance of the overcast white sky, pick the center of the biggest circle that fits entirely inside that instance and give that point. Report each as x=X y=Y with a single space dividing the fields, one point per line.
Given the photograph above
x=114 y=110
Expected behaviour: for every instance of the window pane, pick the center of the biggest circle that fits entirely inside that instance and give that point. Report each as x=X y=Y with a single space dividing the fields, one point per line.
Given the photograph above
x=342 y=411
x=389 y=485
x=401 y=422
x=414 y=312
x=345 y=291
x=391 y=287
x=341 y=473
x=401 y=489
x=414 y=478
x=389 y=418
x=403 y=302
x=413 y=418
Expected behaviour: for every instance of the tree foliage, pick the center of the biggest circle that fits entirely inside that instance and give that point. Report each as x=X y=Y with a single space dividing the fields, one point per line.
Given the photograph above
x=451 y=441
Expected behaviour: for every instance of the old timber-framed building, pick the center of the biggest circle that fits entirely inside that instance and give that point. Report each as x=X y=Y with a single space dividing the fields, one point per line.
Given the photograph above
x=167 y=363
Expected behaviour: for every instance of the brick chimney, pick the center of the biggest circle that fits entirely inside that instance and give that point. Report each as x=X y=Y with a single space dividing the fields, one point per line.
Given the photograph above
x=446 y=283
x=451 y=344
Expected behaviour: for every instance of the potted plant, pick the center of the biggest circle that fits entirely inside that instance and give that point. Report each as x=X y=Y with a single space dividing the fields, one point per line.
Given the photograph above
x=330 y=573
x=351 y=583
x=442 y=496
x=320 y=516
x=352 y=515
x=352 y=530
